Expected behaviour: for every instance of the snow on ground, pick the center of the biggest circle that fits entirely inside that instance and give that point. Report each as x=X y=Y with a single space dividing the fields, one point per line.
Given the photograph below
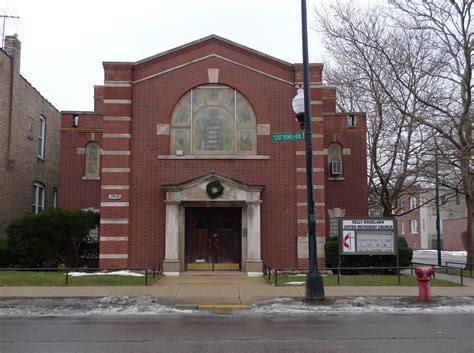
x=145 y=305
x=393 y=306
x=109 y=306
x=444 y=253
x=454 y=258
x=114 y=273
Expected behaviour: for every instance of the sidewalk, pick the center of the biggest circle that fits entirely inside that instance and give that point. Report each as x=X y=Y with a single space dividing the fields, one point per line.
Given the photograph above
x=230 y=289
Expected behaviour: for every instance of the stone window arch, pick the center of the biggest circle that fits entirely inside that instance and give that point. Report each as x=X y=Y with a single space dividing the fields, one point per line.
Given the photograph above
x=92 y=160
x=213 y=120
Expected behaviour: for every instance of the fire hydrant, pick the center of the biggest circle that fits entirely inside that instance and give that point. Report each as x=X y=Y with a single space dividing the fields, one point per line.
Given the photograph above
x=423 y=275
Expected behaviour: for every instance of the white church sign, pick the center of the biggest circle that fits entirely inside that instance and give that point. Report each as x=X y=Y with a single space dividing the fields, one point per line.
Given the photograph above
x=368 y=236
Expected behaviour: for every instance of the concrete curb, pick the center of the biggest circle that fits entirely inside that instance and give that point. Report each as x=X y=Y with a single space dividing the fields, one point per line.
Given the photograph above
x=223 y=307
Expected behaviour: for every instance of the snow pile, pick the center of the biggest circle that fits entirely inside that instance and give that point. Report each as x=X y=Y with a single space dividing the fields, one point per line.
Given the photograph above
x=110 y=306
x=114 y=273
x=364 y=305
x=443 y=253
x=147 y=305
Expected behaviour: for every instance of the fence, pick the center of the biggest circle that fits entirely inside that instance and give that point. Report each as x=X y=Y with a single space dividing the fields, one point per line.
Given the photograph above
x=146 y=271
x=269 y=270
x=447 y=267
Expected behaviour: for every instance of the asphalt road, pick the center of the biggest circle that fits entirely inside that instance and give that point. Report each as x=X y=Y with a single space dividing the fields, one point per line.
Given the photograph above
x=240 y=333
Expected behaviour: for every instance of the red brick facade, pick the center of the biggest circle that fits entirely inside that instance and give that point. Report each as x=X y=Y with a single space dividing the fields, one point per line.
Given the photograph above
x=131 y=123
x=453 y=230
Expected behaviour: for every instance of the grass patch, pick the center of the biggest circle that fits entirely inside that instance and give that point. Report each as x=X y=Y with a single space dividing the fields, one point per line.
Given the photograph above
x=27 y=278
x=363 y=280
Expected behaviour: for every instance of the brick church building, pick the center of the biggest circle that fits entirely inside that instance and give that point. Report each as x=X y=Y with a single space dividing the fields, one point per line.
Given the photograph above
x=179 y=159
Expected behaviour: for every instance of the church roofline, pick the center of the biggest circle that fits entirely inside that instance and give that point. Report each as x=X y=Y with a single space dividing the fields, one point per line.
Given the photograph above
x=202 y=40
x=208 y=38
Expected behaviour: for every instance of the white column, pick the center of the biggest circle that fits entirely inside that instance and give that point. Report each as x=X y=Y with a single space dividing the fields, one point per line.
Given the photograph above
x=254 y=260
x=172 y=262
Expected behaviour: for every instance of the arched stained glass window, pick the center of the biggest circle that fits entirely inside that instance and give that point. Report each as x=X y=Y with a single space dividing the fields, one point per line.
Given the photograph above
x=213 y=120
x=92 y=159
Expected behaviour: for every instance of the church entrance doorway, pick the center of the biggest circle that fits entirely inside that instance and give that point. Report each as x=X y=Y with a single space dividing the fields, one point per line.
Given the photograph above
x=213 y=239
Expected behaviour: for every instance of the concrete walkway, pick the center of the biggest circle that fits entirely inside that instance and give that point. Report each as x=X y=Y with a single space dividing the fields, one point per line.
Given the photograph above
x=225 y=288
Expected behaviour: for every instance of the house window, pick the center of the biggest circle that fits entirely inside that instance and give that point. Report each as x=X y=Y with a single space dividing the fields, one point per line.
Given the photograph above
x=29 y=129
x=41 y=136
x=413 y=204
x=414 y=226
x=38 y=198
x=55 y=198
x=458 y=200
x=335 y=160
x=402 y=226
x=92 y=159
x=213 y=120
x=442 y=200
x=351 y=121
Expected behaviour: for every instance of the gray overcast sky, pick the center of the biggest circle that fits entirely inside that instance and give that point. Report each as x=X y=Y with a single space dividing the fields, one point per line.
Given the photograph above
x=65 y=42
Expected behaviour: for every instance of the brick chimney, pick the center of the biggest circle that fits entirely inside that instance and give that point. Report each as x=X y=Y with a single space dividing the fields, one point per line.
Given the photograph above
x=13 y=49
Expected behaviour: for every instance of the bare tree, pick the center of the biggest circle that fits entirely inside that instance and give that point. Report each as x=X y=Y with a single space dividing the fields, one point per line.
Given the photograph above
x=450 y=28
x=363 y=77
x=414 y=58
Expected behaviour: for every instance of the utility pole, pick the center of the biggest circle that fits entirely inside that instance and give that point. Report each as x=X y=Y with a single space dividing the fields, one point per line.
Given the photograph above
x=438 y=223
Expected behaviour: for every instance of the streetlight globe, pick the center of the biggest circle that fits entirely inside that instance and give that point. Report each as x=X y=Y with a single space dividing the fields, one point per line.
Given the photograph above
x=298 y=102
x=298 y=107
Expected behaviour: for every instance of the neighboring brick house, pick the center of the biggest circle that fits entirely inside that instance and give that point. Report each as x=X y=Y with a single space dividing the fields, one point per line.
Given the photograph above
x=419 y=225
x=29 y=142
x=178 y=156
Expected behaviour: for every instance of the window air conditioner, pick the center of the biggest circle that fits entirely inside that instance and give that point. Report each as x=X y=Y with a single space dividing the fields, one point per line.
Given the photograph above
x=336 y=167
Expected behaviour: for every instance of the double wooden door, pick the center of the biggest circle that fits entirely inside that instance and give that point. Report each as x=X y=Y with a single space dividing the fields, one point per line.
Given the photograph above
x=213 y=238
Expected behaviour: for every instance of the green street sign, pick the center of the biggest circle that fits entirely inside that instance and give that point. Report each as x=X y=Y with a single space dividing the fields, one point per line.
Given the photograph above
x=288 y=136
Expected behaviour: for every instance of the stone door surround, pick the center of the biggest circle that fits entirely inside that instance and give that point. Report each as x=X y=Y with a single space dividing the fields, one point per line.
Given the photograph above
x=192 y=193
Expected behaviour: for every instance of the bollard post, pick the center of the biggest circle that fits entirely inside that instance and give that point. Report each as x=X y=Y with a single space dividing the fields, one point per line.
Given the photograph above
x=146 y=277
x=154 y=269
x=423 y=276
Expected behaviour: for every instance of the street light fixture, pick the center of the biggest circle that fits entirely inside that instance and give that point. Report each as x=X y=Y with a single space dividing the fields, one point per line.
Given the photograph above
x=298 y=107
x=302 y=108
